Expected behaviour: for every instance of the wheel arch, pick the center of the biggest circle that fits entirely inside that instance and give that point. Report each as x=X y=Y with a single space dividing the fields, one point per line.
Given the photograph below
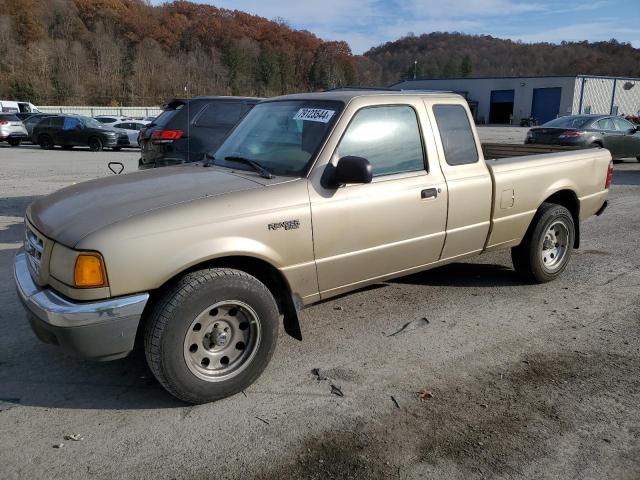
x=272 y=277
x=568 y=199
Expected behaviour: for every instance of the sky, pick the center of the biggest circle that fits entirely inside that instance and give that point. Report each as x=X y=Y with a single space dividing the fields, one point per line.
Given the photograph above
x=368 y=23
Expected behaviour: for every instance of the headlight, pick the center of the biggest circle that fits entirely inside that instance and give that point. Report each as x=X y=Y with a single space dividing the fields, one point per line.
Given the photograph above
x=89 y=271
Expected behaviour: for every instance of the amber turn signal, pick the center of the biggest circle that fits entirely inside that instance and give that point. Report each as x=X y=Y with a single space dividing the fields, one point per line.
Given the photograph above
x=89 y=271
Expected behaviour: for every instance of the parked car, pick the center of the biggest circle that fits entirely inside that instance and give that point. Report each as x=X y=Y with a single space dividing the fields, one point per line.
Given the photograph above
x=10 y=106
x=33 y=120
x=619 y=136
x=111 y=119
x=12 y=130
x=132 y=129
x=309 y=197
x=70 y=131
x=188 y=129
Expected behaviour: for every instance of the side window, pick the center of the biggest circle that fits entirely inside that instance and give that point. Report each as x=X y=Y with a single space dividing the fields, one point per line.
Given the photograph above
x=57 y=122
x=606 y=124
x=456 y=134
x=622 y=124
x=71 y=123
x=219 y=114
x=389 y=137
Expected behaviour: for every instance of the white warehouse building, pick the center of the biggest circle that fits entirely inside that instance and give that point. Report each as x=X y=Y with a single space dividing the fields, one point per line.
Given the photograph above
x=510 y=99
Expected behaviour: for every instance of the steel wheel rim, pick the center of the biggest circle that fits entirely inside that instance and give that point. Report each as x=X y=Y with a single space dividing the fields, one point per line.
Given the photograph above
x=222 y=341
x=555 y=245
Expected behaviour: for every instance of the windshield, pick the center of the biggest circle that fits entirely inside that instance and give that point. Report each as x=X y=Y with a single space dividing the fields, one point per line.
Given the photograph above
x=282 y=136
x=569 y=122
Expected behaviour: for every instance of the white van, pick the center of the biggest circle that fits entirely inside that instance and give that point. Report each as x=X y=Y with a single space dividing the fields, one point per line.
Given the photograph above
x=17 y=107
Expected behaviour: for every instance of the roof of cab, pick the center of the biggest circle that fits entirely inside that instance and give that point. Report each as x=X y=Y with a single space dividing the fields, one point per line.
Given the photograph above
x=348 y=94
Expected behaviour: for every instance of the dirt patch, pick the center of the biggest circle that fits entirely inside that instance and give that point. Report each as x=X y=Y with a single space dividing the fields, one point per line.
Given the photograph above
x=492 y=424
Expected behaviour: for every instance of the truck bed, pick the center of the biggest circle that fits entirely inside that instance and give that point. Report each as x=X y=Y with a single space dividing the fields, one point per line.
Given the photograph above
x=506 y=150
x=522 y=183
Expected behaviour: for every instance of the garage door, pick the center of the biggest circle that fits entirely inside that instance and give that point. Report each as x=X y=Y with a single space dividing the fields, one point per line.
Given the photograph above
x=501 y=108
x=546 y=103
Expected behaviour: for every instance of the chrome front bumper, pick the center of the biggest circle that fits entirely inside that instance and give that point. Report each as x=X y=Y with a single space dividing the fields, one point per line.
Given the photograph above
x=102 y=330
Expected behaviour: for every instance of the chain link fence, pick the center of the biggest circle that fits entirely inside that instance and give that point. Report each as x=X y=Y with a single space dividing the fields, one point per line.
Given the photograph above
x=607 y=95
x=141 y=112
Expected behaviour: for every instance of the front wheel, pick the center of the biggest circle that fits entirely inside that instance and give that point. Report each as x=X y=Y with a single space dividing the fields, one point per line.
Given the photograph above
x=212 y=334
x=95 y=144
x=14 y=142
x=546 y=249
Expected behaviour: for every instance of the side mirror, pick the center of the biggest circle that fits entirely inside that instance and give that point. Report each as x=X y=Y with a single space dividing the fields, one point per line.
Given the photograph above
x=352 y=169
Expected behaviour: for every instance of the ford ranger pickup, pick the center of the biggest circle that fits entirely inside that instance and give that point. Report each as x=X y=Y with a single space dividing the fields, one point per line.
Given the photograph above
x=310 y=196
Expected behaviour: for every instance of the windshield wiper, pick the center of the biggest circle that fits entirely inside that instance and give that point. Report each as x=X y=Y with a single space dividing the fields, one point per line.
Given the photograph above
x=264 y=173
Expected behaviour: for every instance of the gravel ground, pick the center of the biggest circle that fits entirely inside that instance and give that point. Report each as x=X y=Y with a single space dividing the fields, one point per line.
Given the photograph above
x=518 y=381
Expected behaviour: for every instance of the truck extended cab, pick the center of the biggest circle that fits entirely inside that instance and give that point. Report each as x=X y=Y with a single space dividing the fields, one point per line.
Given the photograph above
x=310 y=196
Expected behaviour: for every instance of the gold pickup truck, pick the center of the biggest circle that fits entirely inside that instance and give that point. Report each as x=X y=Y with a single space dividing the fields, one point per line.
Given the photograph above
x=310 y=196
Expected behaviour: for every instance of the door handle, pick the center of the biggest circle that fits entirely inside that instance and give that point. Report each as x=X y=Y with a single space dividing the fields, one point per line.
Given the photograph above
x=429 y=193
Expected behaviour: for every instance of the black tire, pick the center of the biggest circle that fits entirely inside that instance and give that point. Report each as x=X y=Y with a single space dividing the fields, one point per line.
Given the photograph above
x=45 y=142
x=95 y=144
x=531 y=259
x=67 y=147
x=638 y=158
x=14 y=142
x=171 y=322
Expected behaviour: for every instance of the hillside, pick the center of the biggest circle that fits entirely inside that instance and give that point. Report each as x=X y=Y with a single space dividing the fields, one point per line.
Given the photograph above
x=131 y=52
x=442 y=55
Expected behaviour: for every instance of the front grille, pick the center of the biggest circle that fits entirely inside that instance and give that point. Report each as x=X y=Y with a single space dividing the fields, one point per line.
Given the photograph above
x=34 y=248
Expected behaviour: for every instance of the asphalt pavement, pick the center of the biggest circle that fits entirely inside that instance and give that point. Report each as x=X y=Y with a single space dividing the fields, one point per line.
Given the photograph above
x=491 y=378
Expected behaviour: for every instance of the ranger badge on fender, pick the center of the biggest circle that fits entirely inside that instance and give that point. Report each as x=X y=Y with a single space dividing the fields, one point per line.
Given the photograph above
x=287 y=225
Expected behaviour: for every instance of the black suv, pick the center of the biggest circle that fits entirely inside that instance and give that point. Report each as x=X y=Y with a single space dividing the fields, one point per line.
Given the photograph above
x=188 y=129
x=70 y=131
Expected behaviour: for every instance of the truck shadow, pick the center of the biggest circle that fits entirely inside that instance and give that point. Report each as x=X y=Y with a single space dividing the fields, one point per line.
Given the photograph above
x=464 y=275
x=39 y=375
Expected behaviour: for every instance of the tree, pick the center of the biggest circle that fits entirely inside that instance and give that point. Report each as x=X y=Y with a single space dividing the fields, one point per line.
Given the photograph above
x=466 y=67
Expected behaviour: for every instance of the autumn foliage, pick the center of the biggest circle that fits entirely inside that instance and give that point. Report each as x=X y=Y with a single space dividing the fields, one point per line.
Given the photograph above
x=100 y=51
x=132 y=52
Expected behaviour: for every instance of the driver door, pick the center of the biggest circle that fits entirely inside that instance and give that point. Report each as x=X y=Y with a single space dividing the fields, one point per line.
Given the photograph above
x=393 y=224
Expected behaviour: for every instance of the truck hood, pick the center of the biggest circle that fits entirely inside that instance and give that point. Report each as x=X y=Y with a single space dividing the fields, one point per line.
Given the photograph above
x=74 y=212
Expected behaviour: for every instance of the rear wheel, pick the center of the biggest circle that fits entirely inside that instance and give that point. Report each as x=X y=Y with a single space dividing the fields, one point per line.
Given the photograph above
x=546 y=249
x=95 y=144
x=212 y=334
x=45 y=142
x=14 y=142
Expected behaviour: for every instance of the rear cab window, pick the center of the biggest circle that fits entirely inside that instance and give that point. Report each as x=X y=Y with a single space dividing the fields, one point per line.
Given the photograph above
x=456 y=134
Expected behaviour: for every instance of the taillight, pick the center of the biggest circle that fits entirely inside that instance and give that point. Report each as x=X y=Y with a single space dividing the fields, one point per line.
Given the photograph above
x=609 y=179
x=571 y=134
x=166 y=136
x=4 y=122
